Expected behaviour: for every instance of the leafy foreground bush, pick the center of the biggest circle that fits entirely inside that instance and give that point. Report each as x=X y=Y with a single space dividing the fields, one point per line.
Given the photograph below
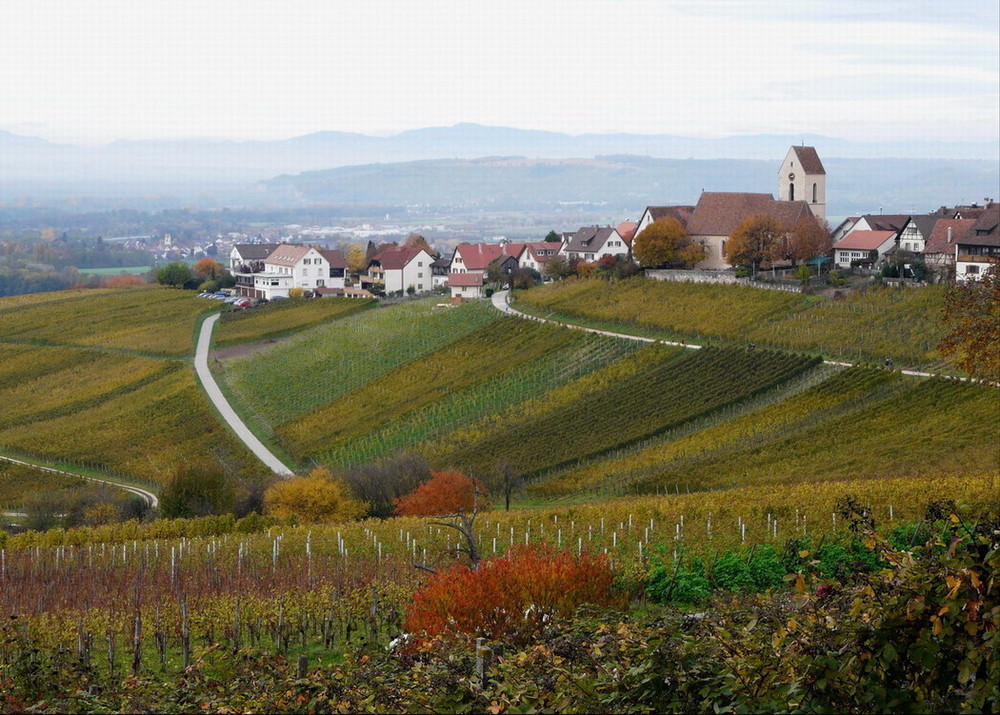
x=917 y=635
x=511 y=598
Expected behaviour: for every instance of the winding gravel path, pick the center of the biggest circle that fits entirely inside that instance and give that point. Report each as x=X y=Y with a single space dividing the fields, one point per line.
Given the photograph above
x=147 y=496
x=222 y=404
x=500 y=303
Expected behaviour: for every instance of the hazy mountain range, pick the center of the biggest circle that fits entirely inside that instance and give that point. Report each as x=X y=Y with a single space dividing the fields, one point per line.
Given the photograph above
x=444 y=166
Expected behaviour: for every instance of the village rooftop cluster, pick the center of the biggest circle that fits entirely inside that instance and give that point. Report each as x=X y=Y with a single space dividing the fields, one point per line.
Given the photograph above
x=953 y=244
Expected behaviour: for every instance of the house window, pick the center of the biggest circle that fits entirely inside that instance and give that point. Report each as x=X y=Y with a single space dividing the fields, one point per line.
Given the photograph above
x=814 y=193
x=791 y=192
x=305 y=271
x=971 y=270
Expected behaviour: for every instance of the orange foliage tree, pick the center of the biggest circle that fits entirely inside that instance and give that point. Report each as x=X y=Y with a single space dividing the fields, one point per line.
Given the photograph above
x=444 y=493
x=511 y=597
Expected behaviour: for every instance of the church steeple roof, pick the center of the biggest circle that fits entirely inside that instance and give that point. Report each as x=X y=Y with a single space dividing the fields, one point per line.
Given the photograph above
x=809 y=159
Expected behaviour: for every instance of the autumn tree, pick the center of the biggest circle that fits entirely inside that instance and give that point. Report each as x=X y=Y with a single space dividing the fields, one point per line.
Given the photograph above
x=380 y=484
x=356 y=259
x=809 y=238
x=317 y=497
x=557 y=268
x=444 y=493
x=757 y=238
x=972 y=311
x=208 y=269
x=457 y=500
x=174 y=275
x=666 y=241
x=415 y=240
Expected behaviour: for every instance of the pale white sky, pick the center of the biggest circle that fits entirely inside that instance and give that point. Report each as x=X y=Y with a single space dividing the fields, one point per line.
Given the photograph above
x=97 y=70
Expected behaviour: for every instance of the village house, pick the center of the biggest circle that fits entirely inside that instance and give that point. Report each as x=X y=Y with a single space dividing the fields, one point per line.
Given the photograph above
x=591 y=243
x=655 y=213
x=469 y=263
x=979 y=247
x=863 y=246
x=270 y=271
x=397 y=268
x=939 y=250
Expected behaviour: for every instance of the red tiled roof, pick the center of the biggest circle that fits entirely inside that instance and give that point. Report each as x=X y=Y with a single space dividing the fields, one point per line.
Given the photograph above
x=536 y=247
x=477 y=256
x=809 y=159
x=938 y=240
x=287 y=254
x=626 y=229
x=681 y=213
x=394 y=258
x=334 y=257
x=465 y=280
x=864 y=240
x=719 y=213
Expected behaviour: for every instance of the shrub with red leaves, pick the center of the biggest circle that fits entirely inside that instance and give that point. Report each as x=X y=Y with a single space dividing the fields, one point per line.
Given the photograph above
x=511 y=597
x=444 y=493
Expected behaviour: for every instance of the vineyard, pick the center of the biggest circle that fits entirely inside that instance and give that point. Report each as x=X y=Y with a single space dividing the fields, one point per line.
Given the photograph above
x=278 y=318
x=145 y=320
x=473 y=363
x=152 y=599
x=96 y=380
x=19 y=484
x=294 y=378
x=668 y=392
x=859 y=421
x=518 y=381
x=867 y=326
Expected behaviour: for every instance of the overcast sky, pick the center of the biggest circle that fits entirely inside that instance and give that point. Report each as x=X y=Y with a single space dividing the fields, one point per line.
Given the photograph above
x=97 y=70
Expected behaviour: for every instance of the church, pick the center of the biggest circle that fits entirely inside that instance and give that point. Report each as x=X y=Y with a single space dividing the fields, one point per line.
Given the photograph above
x=801 y=193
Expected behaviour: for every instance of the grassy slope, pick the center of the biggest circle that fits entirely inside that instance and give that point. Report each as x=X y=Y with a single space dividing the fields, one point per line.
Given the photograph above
x=100 y=379
x=904 y=324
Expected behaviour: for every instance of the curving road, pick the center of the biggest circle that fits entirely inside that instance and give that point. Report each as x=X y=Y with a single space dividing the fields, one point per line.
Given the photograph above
x=222 y=404
x=147 y=496
x=500 y=303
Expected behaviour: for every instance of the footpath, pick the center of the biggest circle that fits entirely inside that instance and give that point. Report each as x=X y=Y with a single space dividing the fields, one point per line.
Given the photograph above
x=211 y=388
x=501 y=302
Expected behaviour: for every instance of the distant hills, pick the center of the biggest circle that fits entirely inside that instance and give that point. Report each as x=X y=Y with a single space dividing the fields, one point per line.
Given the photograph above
x=627 y=184
x=444 y=166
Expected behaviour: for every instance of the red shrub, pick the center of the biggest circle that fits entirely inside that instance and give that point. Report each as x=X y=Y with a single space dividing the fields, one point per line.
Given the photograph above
x=511 y=597
x=444 y=493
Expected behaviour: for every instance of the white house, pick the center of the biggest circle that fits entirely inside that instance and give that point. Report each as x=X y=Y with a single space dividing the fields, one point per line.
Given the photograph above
x=272 y=270
x=858 y=245
x=537 y=254
x=655 y=213
x=398 y=268
x=591 y=243
x=467 y=273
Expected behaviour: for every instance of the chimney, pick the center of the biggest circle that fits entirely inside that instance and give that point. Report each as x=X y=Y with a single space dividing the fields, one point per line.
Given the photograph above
x=949 y=234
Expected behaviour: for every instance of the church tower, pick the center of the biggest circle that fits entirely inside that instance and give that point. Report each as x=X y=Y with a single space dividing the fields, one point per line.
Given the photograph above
x=803 y=178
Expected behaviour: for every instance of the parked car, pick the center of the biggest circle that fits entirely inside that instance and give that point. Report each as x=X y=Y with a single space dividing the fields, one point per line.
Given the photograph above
x=242 y=303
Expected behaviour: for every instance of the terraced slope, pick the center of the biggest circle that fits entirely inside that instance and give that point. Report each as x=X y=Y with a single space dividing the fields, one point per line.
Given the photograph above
x=484 y=373
x=904 y=324
x=862 y=422
x=99 y=379
x=670 y=389
x=307 y=372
